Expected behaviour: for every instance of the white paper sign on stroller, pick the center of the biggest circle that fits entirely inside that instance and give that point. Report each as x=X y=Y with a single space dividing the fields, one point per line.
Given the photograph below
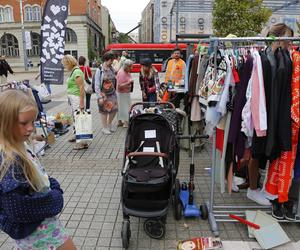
x=83 y=126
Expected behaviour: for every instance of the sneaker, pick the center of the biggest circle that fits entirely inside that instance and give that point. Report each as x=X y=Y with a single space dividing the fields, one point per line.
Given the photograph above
x=106 y=131
x=268 y=195
x=258 y=197
x=277 y=210
x=112 y=128
x=289 y=211
x=120 y=123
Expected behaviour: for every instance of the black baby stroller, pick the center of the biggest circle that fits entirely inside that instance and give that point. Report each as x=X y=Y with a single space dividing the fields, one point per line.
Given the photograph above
x=150 y=167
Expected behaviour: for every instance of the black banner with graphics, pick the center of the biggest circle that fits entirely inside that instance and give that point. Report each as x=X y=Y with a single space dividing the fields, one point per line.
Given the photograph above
x=53 y=33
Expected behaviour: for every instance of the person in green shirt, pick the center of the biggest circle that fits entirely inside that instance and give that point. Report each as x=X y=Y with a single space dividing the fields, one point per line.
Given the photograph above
x=75 y=91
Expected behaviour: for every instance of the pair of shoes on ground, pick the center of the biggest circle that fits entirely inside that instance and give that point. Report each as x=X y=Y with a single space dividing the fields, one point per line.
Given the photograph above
x=122 y=124
x=258 y=196
x=284 y=210
x=80 y=146
x=109 y=130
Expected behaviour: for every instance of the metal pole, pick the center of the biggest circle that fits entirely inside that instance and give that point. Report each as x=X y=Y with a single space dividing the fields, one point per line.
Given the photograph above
x=23 y=36
x=171 y=17
x=177 y=15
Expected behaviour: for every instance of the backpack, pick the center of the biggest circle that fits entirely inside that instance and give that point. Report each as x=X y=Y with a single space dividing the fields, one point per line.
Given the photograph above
x=93 y=78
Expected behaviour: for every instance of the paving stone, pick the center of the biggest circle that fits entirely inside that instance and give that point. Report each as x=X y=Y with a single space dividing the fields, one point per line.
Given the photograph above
x=84 y=224
x=103 y=242
x=80 y=232
x=90 y=242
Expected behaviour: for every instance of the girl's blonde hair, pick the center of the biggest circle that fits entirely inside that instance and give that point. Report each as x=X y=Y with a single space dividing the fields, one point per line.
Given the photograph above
x=69 y=60
x=12 y=151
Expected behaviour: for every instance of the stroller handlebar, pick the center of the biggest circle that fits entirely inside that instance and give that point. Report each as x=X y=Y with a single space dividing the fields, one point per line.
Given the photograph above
x=148 y=154
x=191 y=137
x=155 y=104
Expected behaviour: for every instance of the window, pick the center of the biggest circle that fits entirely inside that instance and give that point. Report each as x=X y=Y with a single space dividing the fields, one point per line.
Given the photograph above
x=8 y=14
x=36 y=45
x=36 y=10
x=9 y=45
x=71 y=52
x=2 y=15
x=32 y=13
x=71 y=36
x=28 y=13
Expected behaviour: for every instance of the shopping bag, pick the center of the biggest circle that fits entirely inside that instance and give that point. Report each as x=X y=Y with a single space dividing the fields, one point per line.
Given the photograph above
x=87 y=83
x=43 y=93
x=88 y=87
x=83 y=126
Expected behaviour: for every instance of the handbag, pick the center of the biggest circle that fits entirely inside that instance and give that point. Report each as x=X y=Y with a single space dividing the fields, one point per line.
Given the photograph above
x=87 y=83
x=83 y=126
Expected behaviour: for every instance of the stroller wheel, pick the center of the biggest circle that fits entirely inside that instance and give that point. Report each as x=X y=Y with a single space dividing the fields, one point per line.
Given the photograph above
x=177 y=202
x=156 y=229
x=125 y=233
x=204 y=212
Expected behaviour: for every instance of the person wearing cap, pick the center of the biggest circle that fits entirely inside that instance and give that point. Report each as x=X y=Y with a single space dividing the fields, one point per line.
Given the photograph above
x=149 y=81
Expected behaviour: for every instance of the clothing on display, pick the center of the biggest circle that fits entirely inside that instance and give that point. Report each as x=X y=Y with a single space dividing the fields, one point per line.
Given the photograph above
x=264 y=116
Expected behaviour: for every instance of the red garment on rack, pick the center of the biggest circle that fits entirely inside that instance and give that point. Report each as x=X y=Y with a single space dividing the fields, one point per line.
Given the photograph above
x=219 y=139
x=280 y=170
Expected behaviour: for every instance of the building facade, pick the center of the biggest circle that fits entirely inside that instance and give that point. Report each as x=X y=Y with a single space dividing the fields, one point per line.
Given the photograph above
x=195 y=17
x=146 y=28
x=83 y=37
x=109 y=30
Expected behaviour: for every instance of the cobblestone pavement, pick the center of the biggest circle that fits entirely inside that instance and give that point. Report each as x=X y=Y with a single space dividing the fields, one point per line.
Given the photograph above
x=91 y=181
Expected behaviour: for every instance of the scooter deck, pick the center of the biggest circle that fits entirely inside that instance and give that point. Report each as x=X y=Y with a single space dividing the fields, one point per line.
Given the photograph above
x=188 y=210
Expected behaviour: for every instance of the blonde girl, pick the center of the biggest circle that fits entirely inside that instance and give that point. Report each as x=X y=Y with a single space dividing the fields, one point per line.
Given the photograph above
x=29 y=198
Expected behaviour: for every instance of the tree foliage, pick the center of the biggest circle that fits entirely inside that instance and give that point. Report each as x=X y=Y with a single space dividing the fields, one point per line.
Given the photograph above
x=91 y=49
x=239 y=17
x=124 y=38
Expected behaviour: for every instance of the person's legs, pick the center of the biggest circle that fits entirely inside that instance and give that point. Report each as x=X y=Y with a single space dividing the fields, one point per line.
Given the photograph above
x=68 y=245
x=253 y=173
x=87 y=101
x=120 y=122
x=3 y=80
x=104 y=119
x=110 y=118
x=253 y=192
x=74 y=103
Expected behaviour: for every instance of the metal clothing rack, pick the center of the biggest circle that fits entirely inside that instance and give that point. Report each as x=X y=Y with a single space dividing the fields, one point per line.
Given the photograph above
x=220 y=213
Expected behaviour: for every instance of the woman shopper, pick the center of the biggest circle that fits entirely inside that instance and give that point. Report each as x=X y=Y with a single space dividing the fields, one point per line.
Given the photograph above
x=30 y=200
x=105 y=88
x=149 y=81
x=124 y=87
x=87 y=75
x=75 y=91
